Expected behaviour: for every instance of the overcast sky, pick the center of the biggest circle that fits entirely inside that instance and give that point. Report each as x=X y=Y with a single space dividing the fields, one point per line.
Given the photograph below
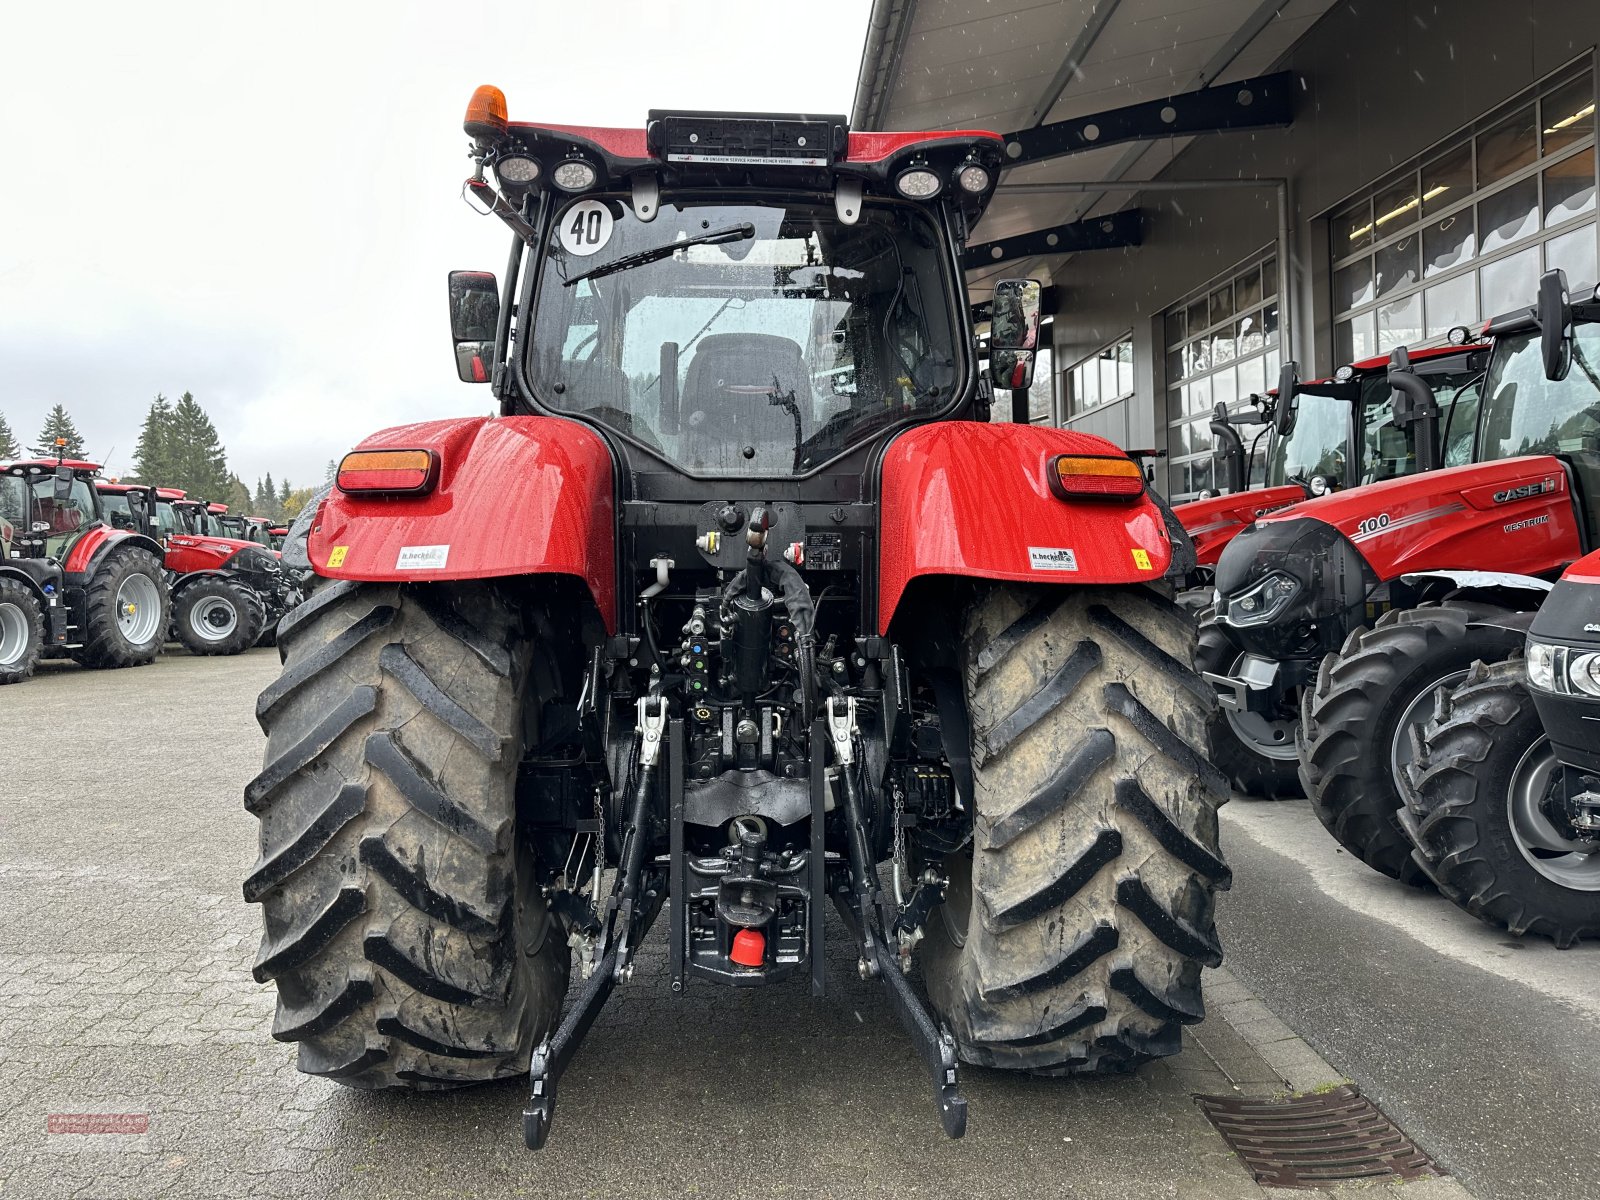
x=261 y=208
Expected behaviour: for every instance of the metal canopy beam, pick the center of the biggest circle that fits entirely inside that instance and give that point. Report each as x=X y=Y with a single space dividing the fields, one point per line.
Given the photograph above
x=1099 y=18
x=1258 y=103
x=1098 y=233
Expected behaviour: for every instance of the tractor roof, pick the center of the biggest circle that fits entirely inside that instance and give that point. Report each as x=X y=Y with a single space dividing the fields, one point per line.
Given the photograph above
x=114 y=488
x=171 y=493
x=219 y=509
x=760 y=150
x=1381 y=362
x=24 y=466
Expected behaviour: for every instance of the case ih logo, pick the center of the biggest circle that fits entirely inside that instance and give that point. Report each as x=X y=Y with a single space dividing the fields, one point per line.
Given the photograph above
x=1541 y=488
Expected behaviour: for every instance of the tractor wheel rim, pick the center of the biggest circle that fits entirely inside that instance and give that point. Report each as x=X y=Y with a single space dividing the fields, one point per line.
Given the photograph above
x=214 y=619
x=13 y=635
x=1548 y=849
x=1268 y=737
x=1415 y=717
x=138 y=609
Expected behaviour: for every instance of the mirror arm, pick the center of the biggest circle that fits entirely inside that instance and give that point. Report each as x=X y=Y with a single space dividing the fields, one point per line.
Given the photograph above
x=495 y=203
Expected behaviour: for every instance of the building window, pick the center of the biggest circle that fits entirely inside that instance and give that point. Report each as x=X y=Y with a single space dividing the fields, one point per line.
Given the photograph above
x=1461 y=234
x=1222 y=345
x=1103 y=378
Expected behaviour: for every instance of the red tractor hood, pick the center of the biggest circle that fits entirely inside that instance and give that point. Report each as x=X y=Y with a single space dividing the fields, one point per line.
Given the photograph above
x=1212 y=523
x=186 y=553
x=1515 y=515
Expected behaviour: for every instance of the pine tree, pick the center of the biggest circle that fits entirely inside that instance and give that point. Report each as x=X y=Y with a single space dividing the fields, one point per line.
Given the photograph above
x=258 y=500
x=200 y=464
x=283 y=496
x=8 y=441
x=59 y=425
x=333 y=471
x=272 y=506
x=153 y=458
x=237 y=497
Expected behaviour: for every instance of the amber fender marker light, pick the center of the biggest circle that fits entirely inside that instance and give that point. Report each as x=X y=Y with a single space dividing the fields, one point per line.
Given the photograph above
x=1094 y=476
x=397 y=472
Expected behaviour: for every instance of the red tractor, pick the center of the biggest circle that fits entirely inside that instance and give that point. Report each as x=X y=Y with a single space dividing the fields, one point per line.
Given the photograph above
x=1312 y=440
x=739 y=608
x=71 y=581
x=1504 y=802
x=1355 y=607
x=228 y=594
x=1337 y=434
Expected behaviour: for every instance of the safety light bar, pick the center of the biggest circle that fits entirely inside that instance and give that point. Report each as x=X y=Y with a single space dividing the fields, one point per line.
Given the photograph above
x=1094 y=476
x=398 y=472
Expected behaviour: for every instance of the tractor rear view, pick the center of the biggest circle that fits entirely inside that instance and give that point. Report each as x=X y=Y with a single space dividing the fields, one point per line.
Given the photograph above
x=71 y=582
x=734 y=612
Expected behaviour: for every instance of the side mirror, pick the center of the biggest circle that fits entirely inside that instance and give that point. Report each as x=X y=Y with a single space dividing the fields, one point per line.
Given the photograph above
x=1555 y=324
x=1283 y=407
x=63 y=488
x=1014 y=333
x=1414 y=404
x=474 y=320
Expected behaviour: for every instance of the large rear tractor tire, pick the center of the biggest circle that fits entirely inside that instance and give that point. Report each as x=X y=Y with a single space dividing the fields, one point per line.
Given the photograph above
x=1354 y=738
x=21 y=631
x=126 y=610
x=1074 y=930
x=215 y=615
x=405 y=932
x=1256 y=752
x=1486 y=825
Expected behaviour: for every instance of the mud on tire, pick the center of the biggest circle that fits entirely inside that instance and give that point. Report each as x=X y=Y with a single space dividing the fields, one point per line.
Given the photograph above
x=1072 y=938
x=197 y=617
x=106 y=642
x=408 y=944
x=1485 y=739
x=1350 y=719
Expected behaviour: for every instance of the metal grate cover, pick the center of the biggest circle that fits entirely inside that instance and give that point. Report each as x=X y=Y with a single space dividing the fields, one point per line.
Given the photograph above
x=1314 y=1139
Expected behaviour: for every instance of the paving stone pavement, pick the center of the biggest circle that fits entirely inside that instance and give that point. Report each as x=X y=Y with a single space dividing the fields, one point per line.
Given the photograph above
x=125 y=987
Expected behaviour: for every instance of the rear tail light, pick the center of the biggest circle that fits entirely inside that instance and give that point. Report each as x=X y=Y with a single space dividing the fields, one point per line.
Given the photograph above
x=1094 y=476
x=393 y=471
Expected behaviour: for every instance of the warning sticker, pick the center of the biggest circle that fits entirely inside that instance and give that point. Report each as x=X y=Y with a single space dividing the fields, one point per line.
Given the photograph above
x=422 y=558
x=585 y=227
x=1141 y=559
x=1052 y=558
x=336 y=556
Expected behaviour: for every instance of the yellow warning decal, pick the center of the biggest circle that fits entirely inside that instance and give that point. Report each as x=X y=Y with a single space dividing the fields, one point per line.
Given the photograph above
x=1141 y=559
x=336 y=556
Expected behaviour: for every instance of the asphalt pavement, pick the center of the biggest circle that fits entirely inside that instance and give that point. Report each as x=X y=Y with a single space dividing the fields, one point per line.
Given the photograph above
x=1484 y=1047
x=125 y=989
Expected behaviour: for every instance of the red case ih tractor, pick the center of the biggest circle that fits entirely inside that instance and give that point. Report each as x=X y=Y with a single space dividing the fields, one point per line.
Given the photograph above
x=735 y=599
x=228 y=594
x=1312 y=439
x=1504 y=802
x=71 y=582
x=1338 y=433
x=1357 y=606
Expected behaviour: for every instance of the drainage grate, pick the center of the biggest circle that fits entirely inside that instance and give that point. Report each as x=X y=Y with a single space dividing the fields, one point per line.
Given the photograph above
x=1314 y=1139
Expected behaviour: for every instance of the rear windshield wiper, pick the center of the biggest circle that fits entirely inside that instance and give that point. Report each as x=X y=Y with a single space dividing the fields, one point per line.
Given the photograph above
x=734 y=233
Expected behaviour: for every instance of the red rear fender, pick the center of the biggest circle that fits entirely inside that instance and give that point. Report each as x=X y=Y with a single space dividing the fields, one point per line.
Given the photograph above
x=963 y=498
x=516 y=496
x=1212 y=523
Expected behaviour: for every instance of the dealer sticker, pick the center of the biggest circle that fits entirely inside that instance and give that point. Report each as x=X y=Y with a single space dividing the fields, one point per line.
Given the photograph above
x=1052 y=558
x=422 y=558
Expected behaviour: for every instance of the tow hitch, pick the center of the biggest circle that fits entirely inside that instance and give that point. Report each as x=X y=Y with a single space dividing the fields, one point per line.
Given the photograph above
x=640 y=889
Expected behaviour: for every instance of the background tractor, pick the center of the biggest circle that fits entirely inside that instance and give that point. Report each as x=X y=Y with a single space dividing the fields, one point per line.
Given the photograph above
x=1357 y=606
x=734 y=612
x=227 y=594
x=70 y=582
x=1331 y=436
x=1503 y=807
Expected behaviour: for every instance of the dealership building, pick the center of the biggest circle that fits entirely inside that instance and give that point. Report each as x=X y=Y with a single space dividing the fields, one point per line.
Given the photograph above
x=1210 y=186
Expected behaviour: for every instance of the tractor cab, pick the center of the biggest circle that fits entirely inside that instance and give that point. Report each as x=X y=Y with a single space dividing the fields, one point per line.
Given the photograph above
x=130 y=506
x=47 y=505
x=276 y=536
